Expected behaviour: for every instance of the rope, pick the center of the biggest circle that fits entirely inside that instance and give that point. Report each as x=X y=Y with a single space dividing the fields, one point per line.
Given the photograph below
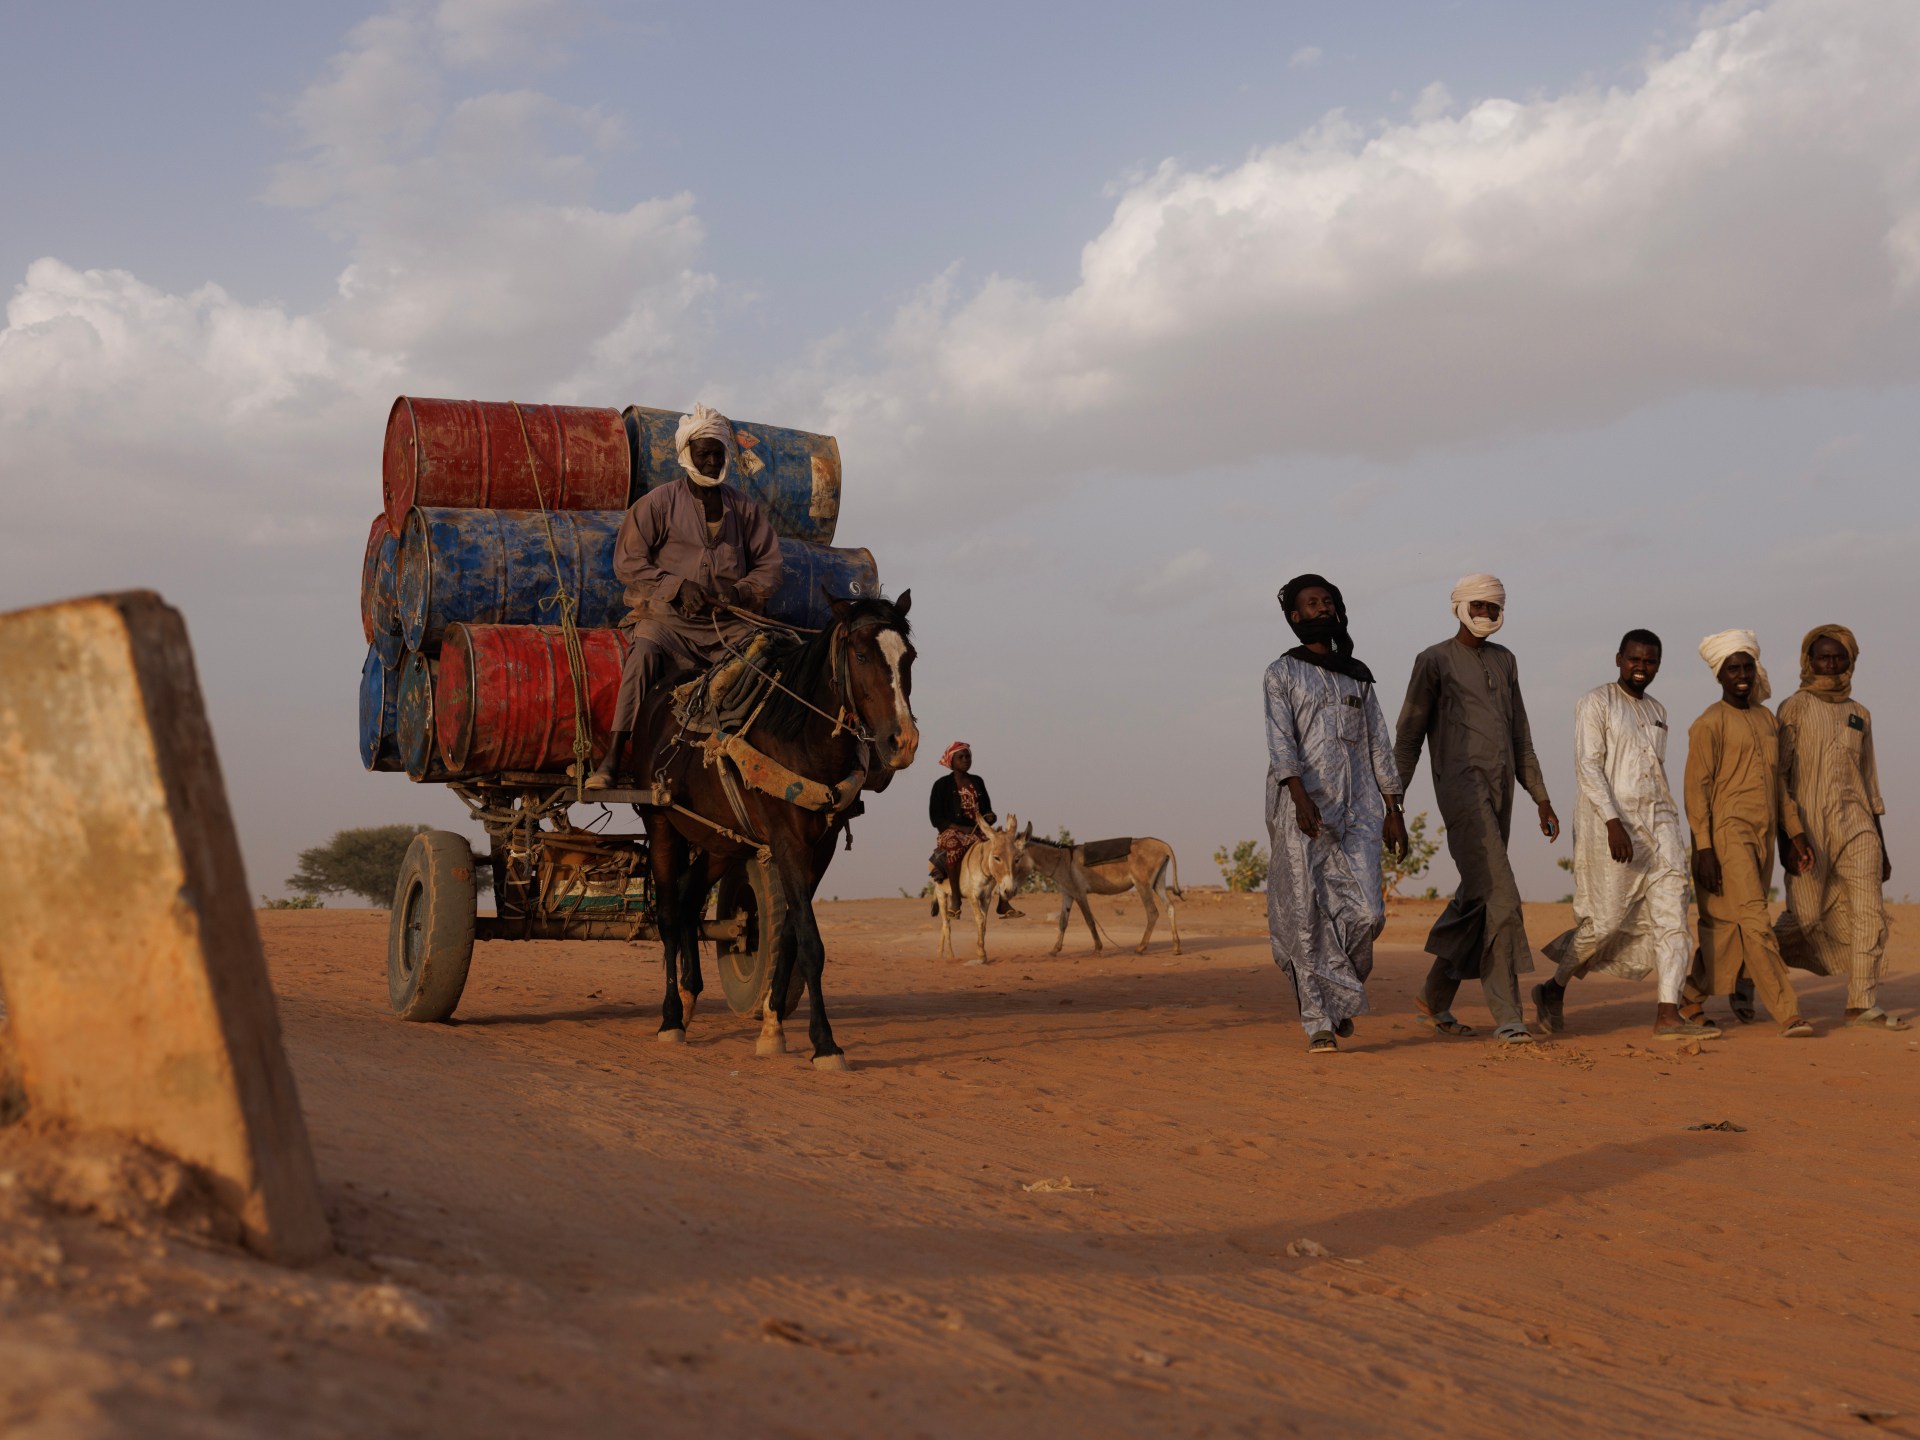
x=569 y=630
x=840 y=721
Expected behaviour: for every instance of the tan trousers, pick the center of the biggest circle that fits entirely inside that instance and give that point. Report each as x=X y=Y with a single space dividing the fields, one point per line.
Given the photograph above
x=1836 y=923
x=1736 y=934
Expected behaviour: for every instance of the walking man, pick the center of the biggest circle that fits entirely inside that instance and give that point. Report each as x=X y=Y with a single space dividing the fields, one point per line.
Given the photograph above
x=1736 y=799
x=1629 y=855
x=1464 y=703
x=692 y=554
x=1834 y=910
x=1333 y=800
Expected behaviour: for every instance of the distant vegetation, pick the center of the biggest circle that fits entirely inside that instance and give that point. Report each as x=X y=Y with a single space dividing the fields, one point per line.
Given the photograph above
x=363 y=862
x=1396 y=870
x=1244 y=867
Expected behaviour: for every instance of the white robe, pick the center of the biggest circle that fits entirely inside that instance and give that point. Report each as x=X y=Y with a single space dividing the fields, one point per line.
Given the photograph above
x=1630 y=919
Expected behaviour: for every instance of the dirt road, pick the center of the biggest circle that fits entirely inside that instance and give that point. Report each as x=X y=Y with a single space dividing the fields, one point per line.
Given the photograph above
x=1062 y=1196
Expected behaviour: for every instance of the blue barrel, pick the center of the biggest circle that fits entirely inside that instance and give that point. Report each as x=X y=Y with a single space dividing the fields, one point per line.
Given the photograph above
x=491 y=567
x=414 y=735
x=379 y=594
x=379 y=701
x=793 y=473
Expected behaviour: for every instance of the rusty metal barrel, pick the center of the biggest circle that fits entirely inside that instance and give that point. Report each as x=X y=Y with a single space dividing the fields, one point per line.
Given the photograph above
x=504 y=699
x=795 y=474
x=414 y=737
x=492 y=567
x=473 y=454
x=379 y=704
x=379 y=594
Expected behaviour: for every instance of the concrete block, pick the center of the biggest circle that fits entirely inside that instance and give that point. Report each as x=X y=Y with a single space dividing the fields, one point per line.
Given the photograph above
x=134 y=980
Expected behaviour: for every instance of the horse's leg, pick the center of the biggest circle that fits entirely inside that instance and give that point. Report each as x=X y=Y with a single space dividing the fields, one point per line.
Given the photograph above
x=810 y=953
x=773 y=1036
x=1066 y=909
x=1093 y=926
x=982 y=902
x=699 y=884
x=946 y=925
x=667 y=852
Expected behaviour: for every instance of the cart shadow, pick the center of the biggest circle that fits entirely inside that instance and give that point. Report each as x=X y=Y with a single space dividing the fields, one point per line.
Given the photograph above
x=552 y=1017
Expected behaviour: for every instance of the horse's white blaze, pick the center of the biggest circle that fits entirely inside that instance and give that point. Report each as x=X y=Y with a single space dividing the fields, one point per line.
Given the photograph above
x=894 y=646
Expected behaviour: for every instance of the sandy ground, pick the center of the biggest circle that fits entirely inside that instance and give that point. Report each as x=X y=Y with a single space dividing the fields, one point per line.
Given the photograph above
x=550 y=1225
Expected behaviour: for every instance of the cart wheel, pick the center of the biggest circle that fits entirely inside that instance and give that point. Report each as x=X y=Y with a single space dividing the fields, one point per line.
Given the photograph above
x=746 y=964
x=430 y=933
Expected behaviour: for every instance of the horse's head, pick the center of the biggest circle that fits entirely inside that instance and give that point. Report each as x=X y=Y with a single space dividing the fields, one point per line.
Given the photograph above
x=1006 y=857
x=878 y=674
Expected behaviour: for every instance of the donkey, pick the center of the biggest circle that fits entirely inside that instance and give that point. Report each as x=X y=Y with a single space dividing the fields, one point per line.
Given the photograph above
x=991 y=870
x=840 y=713
x=1111 y=867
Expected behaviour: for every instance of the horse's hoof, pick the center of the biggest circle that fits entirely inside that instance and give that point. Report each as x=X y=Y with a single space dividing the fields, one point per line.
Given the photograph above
x=976 y=962
x=671 y=1037
x=832 y=1062
x=770 y=1045
x=689 y=1002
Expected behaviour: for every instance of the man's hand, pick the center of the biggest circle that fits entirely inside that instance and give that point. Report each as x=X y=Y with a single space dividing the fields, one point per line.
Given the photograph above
x=1799 y=857
x=1549 y=822
x=726 y=592
x=693 y=599
x=1706 y=871
x=1393 y=831
x=1305 y=812
x=1619 y=843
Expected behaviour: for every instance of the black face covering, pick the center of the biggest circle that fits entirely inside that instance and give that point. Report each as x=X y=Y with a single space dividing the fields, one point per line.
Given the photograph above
x=1326 y=630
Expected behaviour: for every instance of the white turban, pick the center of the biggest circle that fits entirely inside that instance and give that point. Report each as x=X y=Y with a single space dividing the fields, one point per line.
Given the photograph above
x=1716 y=650
x=704 y=423
x=1479 y=587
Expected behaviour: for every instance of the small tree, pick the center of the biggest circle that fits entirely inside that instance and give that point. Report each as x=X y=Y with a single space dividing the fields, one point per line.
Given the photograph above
x=1244 y=867
x=1396 y=870
x=364 y=862
x=1565 y=862
x=1037 y=881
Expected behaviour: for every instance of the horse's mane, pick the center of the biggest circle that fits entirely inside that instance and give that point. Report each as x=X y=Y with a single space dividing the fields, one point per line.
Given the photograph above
x=808 y=672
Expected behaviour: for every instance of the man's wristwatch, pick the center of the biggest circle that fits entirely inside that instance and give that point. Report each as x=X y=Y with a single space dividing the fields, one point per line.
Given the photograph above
x=1396 y=806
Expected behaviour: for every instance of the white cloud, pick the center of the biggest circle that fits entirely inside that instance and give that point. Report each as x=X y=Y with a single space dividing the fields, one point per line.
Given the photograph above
x=479 y=264
x=1306 y=57
x=1744 y=216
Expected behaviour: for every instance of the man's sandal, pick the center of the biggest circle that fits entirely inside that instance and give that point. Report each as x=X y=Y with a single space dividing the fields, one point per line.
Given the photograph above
x=1550 y=1009
x=1514 y=1035
x=1878 y=1019
x=1442 y=1021
x=1322 y=1043
x=1796 y=1029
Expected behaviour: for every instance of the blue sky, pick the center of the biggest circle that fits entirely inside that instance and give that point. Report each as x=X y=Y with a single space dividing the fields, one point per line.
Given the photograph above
x=1122 y=314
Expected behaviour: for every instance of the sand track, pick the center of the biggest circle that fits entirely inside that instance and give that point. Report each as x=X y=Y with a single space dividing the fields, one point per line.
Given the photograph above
x=550 y=1225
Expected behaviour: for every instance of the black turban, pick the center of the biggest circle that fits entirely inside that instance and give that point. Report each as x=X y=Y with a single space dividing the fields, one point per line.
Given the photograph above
x=1327 y=631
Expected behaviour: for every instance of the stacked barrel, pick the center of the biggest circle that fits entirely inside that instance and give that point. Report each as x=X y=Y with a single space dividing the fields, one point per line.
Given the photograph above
x=466 y=671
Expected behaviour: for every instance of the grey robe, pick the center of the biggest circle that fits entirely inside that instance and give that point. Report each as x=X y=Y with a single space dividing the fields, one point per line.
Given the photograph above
x=1465 y=705
x=1324 y=905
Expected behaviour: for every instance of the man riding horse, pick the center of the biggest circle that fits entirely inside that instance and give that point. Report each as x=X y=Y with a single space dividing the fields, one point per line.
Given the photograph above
x=690 y=553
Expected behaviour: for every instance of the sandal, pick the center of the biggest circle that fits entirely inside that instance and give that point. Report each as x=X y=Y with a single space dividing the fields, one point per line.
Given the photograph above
x=1344 y=1028
x=1443 y=1023
x=1322 y=1043
x=1742 y=1001
x=1514 y=1035
x=1688 y=1030
x=1878 y=1019
x=1550 y=1008
x=1796 y=1029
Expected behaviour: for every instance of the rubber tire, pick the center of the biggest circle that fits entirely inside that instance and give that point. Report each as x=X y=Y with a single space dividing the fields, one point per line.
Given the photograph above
x=430 y=930
x=746 y=967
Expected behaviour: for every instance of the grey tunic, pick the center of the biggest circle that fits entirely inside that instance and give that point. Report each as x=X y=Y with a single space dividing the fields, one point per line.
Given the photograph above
x=1464 y=704
x=1324 y=905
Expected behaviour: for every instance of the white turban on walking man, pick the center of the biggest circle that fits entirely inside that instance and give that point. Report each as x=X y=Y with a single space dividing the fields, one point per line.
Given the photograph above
x=1719 y=648
x=705 y=423
x=1479 y=587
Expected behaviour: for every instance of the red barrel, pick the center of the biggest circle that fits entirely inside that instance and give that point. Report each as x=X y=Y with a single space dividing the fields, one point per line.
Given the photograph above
x=470 y=454
x=504 y=697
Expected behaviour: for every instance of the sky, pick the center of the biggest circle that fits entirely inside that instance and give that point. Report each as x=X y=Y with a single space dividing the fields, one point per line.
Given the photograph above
x=1122 y=314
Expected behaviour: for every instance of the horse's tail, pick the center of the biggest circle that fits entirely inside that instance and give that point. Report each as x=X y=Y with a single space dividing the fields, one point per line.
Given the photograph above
x=1174 y=861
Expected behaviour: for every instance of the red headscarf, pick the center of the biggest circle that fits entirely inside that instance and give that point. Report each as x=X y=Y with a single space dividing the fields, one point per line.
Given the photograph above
x=946 y=756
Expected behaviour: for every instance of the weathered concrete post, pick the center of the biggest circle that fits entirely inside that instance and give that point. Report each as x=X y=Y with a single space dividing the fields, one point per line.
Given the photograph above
x=135 y=985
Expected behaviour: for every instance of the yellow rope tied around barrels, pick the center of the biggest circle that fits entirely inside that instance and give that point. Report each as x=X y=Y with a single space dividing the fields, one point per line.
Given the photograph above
x=569 y=630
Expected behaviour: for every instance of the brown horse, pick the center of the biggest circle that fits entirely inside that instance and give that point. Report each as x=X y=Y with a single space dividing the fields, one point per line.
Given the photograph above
x=840 y=716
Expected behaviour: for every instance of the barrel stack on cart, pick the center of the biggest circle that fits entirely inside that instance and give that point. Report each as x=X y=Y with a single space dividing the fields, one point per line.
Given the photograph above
x=491 y=511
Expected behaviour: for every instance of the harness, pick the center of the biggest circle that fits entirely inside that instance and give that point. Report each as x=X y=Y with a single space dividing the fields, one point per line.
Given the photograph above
x=713 y=704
